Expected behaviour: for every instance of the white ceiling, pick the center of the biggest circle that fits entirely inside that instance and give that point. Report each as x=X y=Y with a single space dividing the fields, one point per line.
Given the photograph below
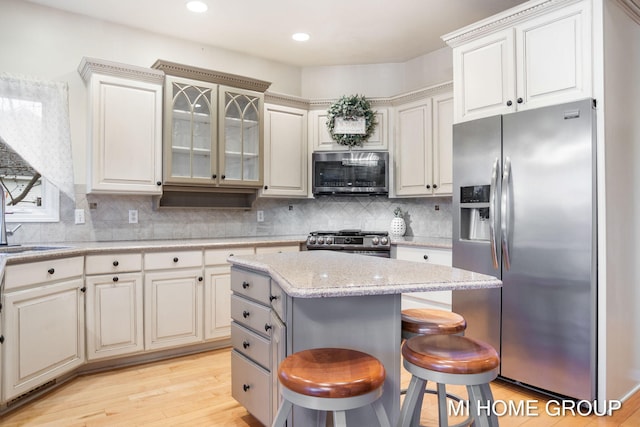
x=342 y=31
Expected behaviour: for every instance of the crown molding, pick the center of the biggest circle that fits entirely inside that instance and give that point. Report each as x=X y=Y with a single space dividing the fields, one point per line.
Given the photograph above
x=90 y=66
x=211 y=76
x=286 y=100
x=422 y=93
x=631 y=8
x=504 y=20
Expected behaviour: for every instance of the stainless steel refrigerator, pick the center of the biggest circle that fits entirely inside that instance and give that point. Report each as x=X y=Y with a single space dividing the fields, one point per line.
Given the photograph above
x=524 y=203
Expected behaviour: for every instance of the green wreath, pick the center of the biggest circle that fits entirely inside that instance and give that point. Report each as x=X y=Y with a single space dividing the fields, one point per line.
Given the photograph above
x=351 y=108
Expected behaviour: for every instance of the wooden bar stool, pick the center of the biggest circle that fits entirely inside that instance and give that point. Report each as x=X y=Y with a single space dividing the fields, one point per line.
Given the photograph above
x=331 y=379
x=449 y=359
x=425 y=321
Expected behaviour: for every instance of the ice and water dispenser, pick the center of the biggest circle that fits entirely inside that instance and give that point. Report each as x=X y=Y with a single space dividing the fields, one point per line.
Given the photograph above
x=474 y=212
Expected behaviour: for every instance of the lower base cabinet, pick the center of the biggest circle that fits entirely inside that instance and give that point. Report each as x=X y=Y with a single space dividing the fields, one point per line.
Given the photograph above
x=173 y=308
x=114 y=315
x=44 y=335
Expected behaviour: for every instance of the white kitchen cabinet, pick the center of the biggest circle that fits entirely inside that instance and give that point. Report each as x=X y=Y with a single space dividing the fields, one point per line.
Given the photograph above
x=43 y=323
x=423 y=147
x=173 y=299
x=434 y=299
x=217 y=290
x=125 y=128
x=285 y=152
x=524 y=58
x=321 y=140
x=277 y=249
x=114 y=305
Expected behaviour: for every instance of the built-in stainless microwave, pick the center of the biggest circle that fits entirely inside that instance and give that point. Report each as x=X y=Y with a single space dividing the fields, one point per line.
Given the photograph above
x=350 y=173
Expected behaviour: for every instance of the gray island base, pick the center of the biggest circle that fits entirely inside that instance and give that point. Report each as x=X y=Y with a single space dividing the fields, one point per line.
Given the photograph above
x=295 y=301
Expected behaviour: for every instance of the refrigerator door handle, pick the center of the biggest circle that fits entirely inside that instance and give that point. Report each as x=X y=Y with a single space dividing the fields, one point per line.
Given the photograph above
x=492 y=213
x=504 y=212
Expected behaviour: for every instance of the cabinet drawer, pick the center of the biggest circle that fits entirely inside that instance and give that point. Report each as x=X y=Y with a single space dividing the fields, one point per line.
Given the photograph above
x=172 y=259
x=251 y=285
x=31 y=273
x=250 y=386
x=251 y=315
x=219 y=256
x=113 y=263
x=277 y=249
x=420 y=254
x=279 y=301
x=251 y=344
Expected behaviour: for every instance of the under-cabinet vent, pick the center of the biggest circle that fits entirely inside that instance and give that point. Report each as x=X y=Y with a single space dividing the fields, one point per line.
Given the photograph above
x=32 y=393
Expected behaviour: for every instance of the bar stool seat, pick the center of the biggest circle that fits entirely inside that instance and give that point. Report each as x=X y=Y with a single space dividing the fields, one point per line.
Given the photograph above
x=425 y=321
x=450 y=359
x=331 y=379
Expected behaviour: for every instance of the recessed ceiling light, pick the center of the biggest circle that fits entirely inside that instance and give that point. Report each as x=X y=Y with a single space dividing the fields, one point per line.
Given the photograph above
x=300 y=37
x=197 y=6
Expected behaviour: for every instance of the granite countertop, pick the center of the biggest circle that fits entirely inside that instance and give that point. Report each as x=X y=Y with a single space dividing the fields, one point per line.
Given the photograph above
x=312 y=274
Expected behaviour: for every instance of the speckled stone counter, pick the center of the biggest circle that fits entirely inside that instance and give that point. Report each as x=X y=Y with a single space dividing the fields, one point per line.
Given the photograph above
x=312 y=274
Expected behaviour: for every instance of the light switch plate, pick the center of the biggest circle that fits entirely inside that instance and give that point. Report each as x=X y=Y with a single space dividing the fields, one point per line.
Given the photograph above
x=79 y=216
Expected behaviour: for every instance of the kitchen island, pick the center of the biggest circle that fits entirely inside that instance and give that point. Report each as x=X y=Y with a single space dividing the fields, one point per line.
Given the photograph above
x=289 y=302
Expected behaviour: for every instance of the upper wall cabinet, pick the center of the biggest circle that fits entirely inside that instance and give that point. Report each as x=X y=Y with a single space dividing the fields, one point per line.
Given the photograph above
x=536 y=54
x=286 y=155
x=213 y=129
x=125 y=128
x=423 y=144
x=321 y=139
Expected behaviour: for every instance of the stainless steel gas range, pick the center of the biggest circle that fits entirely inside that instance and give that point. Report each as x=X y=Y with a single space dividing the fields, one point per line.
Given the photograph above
x=374 y=243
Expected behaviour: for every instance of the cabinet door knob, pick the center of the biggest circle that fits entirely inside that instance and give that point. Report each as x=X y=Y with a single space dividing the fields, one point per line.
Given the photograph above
x=435 y=186
x=246 y=344
x=425 y=256
x=175 y=259
x=509 y=103
x=520 y=100
x=246 y=387
x=1 y=339
x=115 y=278
x=266 y=187
x=214 y=176
x=116 y=263
x=245 y=314
x=245 y=285
x=272 y=297
x=200 y=279
x=223 y=176
x=158 y=183
x=428 y=186
x=83 y=289
x=267 y=327
x=51 y=271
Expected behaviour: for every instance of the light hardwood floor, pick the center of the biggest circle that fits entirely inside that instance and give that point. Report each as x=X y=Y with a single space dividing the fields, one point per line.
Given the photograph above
x=195 y=391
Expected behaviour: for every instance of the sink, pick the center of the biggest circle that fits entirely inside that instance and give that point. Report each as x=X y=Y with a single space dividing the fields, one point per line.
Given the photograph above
x=18 y=249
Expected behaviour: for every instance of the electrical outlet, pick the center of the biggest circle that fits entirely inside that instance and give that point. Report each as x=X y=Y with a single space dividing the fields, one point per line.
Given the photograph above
x=79 y=216
x=260 y=216
x=133 y=216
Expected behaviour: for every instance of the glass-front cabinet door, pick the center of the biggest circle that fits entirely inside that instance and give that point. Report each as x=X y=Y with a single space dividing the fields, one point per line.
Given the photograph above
x=240 y=141
x=190 y=132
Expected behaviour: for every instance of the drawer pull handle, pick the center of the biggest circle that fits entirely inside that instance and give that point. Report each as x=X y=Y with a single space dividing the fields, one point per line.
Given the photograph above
x=245 y=285
x=267 y=327
x=245 y=314
x=175 y=259
x=116 y=263
x=246 y=387
x=115 y=278
x=51 y=271
x=272 y=297
x=246 y=344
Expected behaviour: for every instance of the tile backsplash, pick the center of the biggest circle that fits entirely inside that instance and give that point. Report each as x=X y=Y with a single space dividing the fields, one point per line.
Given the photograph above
x=107 y=219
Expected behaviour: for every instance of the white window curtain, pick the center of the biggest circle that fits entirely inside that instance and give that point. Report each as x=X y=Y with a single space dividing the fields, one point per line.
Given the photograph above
x=34 y=121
